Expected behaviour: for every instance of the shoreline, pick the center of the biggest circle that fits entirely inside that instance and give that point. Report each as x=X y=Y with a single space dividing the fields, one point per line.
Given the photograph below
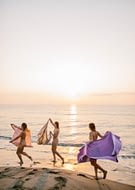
x=43 y=162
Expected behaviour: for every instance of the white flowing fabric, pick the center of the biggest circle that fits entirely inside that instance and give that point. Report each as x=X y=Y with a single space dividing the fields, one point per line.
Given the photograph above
x=43 y=137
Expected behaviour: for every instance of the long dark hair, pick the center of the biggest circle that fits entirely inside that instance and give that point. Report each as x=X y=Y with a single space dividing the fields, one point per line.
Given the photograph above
x=92 y=126
x=24 y=126
x=57 y=124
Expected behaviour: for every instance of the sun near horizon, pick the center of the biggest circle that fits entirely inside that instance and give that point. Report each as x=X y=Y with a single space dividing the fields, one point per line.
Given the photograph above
x=67 y=52
x=66 y=83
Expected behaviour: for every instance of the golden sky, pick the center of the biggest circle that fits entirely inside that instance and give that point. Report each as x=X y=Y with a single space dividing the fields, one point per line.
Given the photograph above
x=67 y=51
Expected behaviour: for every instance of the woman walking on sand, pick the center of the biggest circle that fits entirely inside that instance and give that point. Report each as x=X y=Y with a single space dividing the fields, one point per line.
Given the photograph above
x=108 y=147
x=55 y=140
x=22 y=143
x=93 y=135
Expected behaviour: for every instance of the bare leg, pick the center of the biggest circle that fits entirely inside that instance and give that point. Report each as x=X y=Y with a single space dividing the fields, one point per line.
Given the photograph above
x=96 y=167
x=18 y=152
x=104 y=171
x=105 y=174
x=96 y=176
x=53 y=152
x=20 y=158
x=25 y=154
x=60 y=157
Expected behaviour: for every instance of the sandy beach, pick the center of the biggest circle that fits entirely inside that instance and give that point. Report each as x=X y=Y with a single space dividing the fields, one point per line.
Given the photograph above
x=53 y=179
x=67 y=78
x=43 y=174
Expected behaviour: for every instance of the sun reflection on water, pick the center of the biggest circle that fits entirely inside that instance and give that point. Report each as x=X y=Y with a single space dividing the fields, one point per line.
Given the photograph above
x=73 y=120
x=73 y=114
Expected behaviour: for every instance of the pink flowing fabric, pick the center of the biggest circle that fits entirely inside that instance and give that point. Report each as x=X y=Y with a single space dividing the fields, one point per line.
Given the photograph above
x=17 y=132
x=106 y=148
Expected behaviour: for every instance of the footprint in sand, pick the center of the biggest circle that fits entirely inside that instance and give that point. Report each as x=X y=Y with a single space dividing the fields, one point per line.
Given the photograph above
x=31 y=173
x=6 y=169
x=27 y=179
x=18 y=185
x=61 y=183
x=53 y=172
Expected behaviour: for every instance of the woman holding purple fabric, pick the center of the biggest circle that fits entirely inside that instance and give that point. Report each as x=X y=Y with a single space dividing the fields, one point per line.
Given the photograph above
x=93 y=135
x=107 y=147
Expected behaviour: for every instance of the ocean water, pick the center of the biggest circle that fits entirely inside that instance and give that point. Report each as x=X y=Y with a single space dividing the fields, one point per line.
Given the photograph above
x=74 y=131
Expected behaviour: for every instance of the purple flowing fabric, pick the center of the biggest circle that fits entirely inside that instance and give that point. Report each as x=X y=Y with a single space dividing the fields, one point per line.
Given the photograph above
x=106 y=148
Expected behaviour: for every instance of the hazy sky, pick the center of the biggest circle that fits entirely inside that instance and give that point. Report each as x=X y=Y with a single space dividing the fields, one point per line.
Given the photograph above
x=59 y=49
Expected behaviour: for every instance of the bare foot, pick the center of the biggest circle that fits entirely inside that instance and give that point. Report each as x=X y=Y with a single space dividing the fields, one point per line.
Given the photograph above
x=30 y=158
x=105 y=174
x=21 y=163
x=62 y=160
